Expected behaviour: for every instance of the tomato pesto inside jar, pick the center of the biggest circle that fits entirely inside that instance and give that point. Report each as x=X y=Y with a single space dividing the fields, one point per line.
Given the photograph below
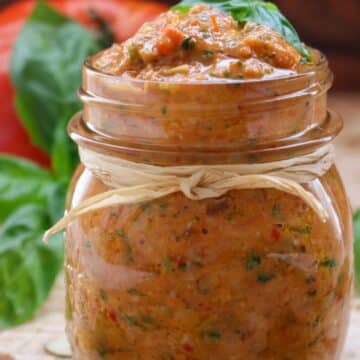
x=254 y=274
x=202 y=44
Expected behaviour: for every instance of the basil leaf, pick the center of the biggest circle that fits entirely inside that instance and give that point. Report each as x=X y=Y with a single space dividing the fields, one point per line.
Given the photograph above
x=56 y=201
x=22 y=182
x=46 y=71
x=28 y=267
x=65 y=156
x=357 y=249
x=257 y=11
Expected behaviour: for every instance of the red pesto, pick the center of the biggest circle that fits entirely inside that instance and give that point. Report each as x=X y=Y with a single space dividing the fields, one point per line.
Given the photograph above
x=254 y=274
x=201 y=45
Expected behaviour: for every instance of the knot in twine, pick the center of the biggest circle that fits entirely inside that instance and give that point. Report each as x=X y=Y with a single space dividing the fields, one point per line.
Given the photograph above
x=134 y=183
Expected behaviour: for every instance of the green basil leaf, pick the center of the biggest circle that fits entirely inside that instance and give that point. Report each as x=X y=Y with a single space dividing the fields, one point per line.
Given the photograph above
x=22 y=182
x=65 y=155
x=46 y=71
x=357 y=249
x=257 y=11
x=28 y=267
x=56 y=201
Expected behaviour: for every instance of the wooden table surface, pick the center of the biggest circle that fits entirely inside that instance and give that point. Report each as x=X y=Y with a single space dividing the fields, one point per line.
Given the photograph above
x=26 y=342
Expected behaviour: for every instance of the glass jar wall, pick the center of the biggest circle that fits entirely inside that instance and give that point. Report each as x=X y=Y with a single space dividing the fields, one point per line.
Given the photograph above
x=254 y=274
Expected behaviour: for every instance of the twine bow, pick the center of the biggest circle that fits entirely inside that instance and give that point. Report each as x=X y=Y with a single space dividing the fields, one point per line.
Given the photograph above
x=134 y=183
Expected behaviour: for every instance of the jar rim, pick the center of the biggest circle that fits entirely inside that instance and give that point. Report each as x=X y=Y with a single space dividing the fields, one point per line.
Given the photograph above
x=205 y=119
x=118 y=91
x=305 y=143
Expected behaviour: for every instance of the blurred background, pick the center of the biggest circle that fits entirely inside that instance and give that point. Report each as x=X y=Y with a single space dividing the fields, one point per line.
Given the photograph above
x=333 y=26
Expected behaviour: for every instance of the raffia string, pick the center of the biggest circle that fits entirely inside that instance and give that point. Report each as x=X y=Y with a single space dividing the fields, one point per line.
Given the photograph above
x=134 y=183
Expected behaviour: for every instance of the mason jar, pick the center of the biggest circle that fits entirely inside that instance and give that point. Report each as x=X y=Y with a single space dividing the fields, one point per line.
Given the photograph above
x=252 y=274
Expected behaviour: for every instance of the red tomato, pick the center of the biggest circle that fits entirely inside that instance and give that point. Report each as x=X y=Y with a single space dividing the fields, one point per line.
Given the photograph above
x=123 y=17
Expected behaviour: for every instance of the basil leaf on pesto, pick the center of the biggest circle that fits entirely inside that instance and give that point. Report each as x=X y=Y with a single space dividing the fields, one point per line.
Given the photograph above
x=257 y=11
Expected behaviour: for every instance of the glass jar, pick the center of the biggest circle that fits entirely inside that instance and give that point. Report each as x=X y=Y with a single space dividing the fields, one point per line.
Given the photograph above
x=254 y=274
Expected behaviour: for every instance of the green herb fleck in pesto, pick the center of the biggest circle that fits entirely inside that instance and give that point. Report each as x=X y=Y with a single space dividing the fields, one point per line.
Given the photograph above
x=227 y=74
x=182 y=266
x=164 y=110
x=265 y=277
x=135 y=292
x=253 y=158
x=316 y=321
x=231 y=216
x=310 y=279
x=189 y=43
x=316 y=339
x=149 y=322
x=122 y=233
x=168 y=264
x=207 y=54
x=114 y=214
x=132 y=51
x=252 y=261
x=131 y=319
x=275 y=211
x=312 y=292
x=103 y=294
x=144 y=206
x=143 y=322
x=211 y=334
x=102 y=351
x=328 y=263
x=197 y=263
x=128 y=253
x=306 y=230
x=304 y=61
x=205 y=34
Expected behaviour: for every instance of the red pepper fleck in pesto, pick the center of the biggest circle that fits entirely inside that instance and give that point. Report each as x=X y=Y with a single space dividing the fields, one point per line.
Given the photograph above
x=275 y=233
x=188 y=347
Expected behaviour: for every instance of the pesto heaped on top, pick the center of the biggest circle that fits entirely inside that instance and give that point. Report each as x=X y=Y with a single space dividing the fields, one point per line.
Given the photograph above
x=201 y=44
